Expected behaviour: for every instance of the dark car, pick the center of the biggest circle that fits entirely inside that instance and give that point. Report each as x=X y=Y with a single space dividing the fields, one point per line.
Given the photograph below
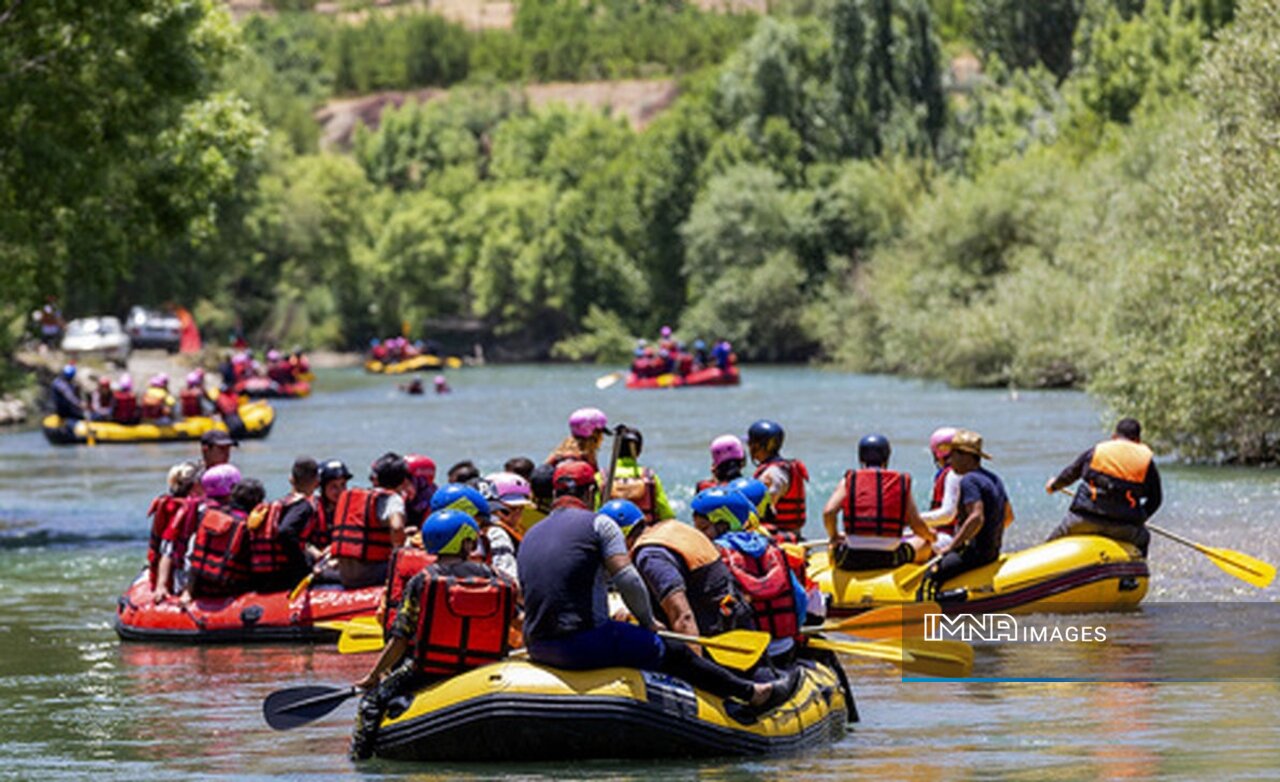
x=153 y=329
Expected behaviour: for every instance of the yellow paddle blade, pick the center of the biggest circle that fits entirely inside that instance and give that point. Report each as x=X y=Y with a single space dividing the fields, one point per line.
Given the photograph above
x=740 y=649
x=911 y=578
x=943 y=659
x=904 y=620
x=885 y=651
x=359 y=643
x=1244 y=567
x=605 y=381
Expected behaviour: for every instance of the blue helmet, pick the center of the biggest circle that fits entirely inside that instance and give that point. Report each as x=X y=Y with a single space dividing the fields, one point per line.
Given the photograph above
x=767 y=435
x=721 y=504
x=625 y=513
x=754 y=490
x=459 y=496
x=69 y=371
x=874 y=450
x=699 y=344
x=445 y=531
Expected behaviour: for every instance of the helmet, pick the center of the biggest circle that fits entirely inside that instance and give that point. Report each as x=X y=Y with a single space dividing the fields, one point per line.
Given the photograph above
x=767 y=435
x=940 y=441
x=699 y=344
x=666 y=331
x=69 y=371
x=720 y=504
x=220 y=480
x=726 y=447
x=459 y=496
x=273 y=355
x=160 y=380
x=374 y=342
x=240 y=358
x=754 y=490
x=126 y=382
x=445 y=531
x=587 y=421
x=624 y=513
x=332 y=470
x=509 y=489
x=632 y=441
x=193 y=379
x=438 y=380
x=421 y=466
x=874 y=449
x=542 y=481
x=104 y=381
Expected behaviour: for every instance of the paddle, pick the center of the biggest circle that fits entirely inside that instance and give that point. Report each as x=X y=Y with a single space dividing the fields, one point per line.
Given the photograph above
x=607 y=494
x=886 y=622
x=305 y=583
x=293 y=706
x=738 y=649
x=906 y=580
x=1252 y=571
x=605 y=381
x=885 y=651
x=943 y=659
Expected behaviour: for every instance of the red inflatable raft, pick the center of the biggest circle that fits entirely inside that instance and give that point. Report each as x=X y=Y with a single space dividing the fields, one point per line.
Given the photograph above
x=250 y=617
x=266 y=388
x=711 y=376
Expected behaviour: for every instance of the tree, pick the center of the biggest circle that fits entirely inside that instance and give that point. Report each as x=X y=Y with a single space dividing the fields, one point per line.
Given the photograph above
x=1023 y=34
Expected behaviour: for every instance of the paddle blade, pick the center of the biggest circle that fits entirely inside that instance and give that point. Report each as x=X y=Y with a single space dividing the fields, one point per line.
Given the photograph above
x=738 y=649
x=905 y=620
x=608 y=380
x=885 y=652
x=288 y=708
x=1246 y=568
x=359 y=641
x=943 y=659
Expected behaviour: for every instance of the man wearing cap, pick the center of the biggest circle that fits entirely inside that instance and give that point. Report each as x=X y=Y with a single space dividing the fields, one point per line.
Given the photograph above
x=984 y=511
x=215 y=448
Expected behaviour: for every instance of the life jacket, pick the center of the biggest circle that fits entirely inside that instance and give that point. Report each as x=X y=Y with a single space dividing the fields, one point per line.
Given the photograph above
x=267 y=553
x=639 y=489
x=875 y=503
x=220 y=556
x=172 y=518
x=281 y=372
x=711 y=589
x=765 y=578
x=318 y=531
x=191 y=402
x=463 y=623
x=935 y=499
x=788 y=510
x=406 y=562
x=227 y=404
x=357 y=533
x=1112 y=483
x=155 y=403
x=706 y=483
x=125 y=410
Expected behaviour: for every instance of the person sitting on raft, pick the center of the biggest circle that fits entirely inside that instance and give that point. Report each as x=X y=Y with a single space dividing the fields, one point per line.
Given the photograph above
x=692 y=589
x=541 y=486
x=631 y=481
x=509 y=495
x=434 y=635
x=193 y=402
x=281 y=553
x=102 y=400
x=587 y=428
x=464 y=471
x=157 y=402
x=369 y=523
x=564 y=563
x=65 y=397
x=497 y=547
x=785 y=478
x=1119 y=489
x=217 y=556
x=174 y=516
x=944 y=502
x=984 y=513
x=777 y=598
x=877 y=508
x=422 y=471
x=125 y=409
x=728 y=457
x=333 y=483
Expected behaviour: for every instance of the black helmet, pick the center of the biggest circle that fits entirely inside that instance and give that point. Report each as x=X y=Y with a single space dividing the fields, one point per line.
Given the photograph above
x=632 y=441
x=874 y=450
x=332 y=469
x=766 y=435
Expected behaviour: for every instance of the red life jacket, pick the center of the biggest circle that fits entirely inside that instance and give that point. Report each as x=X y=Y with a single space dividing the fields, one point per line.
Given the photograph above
x=706 y=483
x=318 y=531
x=357 y=533
x=190 y=402
x=125 y=410
x=875 y=503
x=463 y=622
x=788 y=510
x=172 y=518
x=227 y=404
x=766 y=583
x=219 y=556
x=640 y=490
x=406 y=562
x=935 y=500
x=267 y=553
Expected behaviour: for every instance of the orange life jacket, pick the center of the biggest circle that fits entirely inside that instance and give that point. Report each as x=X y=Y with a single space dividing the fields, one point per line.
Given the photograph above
x=1112 y=485
x=789 y=509
x=711 y=589
x=172 y=518
x=875 y=503
x=220 y=556
x=463 y=623
x=357 y=533
x=640 y=490
x=406 y=562
x=191 y=406
x=267 y=554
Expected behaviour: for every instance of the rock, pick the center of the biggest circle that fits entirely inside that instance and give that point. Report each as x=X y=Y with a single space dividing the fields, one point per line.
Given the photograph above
x=12 y=411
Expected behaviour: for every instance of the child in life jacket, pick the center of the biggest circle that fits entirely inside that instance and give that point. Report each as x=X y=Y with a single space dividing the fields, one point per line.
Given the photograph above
x=455 y=616
x=173 y=521
x=218 y=554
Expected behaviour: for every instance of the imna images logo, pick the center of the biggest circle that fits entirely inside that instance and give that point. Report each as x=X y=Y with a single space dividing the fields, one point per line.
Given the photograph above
x=996 y=628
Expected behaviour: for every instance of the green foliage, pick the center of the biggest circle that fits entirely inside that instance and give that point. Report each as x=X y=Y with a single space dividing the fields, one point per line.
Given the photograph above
x=1025 y=34
x=605 y=339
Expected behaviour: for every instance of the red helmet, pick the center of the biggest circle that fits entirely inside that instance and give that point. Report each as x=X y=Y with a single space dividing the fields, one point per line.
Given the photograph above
x=421 y=467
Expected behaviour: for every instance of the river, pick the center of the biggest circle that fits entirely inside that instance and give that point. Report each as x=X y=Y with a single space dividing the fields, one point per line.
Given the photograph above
x=79 y=703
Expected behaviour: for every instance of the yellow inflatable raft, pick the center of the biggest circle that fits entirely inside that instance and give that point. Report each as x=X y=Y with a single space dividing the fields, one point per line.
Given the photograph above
x=521 y=711
x=1070 y=575
x=415 y=364
x=258 y=418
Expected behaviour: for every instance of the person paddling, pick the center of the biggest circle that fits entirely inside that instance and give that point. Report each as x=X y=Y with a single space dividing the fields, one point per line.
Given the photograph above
x=877 y=509
x=65 y=397
x=435 y=636
x=1119 y=489
x=564 y=563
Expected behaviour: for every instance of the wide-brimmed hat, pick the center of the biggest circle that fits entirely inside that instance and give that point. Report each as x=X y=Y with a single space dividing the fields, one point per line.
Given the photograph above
x=966 y=441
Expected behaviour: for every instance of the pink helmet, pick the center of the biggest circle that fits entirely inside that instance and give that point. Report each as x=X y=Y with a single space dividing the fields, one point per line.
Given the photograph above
x=510 y=489
x=220 y=480
x=160 y=380
x=239 y=358
x=666 y=331
x=194 y=379
x=421 y=466
x=126 y=382
x=273 y=355
x=587 y=421
x=726 y=447
x=940 y=441
x=439 y=380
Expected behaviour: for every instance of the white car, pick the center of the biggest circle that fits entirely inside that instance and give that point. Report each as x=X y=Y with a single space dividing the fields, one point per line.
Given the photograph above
x=97 y=337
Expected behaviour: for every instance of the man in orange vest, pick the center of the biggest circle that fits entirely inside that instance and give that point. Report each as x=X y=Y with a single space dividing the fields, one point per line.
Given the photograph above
x=1119 y=489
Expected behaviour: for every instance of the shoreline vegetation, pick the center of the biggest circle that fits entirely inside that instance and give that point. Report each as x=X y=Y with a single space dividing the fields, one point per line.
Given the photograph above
x=1071 y=193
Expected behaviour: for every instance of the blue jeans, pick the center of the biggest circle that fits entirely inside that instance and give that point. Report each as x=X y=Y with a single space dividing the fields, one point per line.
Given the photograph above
x=612 y=643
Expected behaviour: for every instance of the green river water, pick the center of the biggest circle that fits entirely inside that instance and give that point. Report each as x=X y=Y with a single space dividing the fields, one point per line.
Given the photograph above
x=79 y=704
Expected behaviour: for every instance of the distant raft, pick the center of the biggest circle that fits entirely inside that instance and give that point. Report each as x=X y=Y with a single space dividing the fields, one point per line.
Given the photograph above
x=1077 y=574
x=252 y=617
x=258 y=417
x=415 y=364
x=516 y=711
x=266 y=388
x=710 y=376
